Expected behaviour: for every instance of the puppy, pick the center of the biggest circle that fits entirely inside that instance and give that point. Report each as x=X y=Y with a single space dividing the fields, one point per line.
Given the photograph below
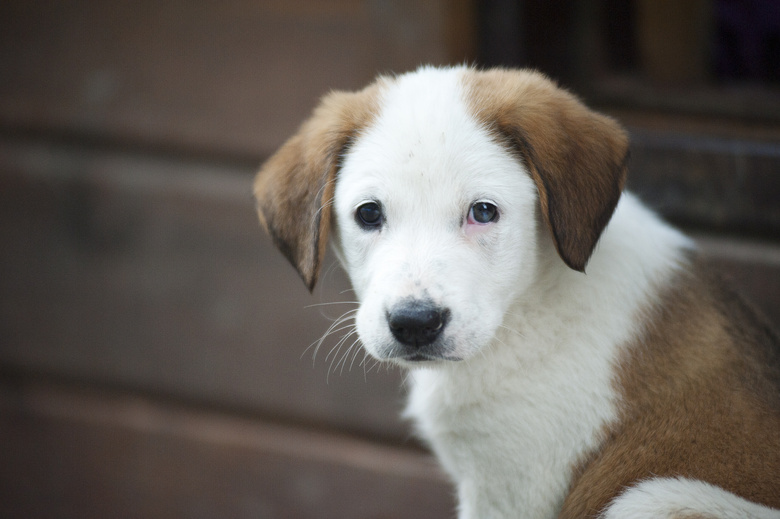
x=569 y=356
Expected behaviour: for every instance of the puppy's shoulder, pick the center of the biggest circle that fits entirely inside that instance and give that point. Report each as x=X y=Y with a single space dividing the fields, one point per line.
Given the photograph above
x=699 y=397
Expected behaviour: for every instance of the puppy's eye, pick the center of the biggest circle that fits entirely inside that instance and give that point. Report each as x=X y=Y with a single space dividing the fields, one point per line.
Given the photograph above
x=483 y=212
x=369 y=215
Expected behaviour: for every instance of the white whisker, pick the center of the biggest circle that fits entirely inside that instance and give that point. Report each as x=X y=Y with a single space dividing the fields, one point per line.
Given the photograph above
x=357 y=350
x=332 y=303
x=344 y=358
x=335 y=327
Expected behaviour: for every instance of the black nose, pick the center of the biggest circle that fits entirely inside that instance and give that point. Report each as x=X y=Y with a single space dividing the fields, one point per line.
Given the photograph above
x=417 y=323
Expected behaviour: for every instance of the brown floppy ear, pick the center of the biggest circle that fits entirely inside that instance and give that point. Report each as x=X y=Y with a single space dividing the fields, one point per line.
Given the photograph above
x=576 y=157
x=294 y=188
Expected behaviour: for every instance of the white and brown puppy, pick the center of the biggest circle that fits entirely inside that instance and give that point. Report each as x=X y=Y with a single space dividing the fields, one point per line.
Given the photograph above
x=465 y=206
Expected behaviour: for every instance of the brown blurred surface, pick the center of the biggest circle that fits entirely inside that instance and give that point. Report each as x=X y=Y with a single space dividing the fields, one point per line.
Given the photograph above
x=82 y=453
x=226 y=77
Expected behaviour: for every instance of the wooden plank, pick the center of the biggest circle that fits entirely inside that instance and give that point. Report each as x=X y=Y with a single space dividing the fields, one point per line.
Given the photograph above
x=720 y=183
x=233 y=76
x=76 y=453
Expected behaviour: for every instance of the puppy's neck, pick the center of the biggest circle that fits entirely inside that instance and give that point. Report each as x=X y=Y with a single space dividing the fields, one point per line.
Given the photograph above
x=564 y=308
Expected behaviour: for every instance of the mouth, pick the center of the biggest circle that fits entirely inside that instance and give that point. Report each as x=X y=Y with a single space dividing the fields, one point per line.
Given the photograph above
x=441 y=351
x=417 y=358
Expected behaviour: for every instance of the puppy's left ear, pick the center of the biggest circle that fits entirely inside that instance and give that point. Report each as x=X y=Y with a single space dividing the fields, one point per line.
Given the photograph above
x=294 y=188
x=576 y=157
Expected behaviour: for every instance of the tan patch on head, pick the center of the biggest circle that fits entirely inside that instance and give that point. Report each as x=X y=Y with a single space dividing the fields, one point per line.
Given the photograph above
x=294 y=188
x=576 y=157
x=701 y=400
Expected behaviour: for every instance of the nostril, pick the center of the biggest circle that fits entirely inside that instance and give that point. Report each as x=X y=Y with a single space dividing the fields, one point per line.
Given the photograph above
x=417 y=323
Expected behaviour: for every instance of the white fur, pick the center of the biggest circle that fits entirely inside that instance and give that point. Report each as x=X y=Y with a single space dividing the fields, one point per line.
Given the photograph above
x=537 y=340
x=678 y=498
x=544 y=386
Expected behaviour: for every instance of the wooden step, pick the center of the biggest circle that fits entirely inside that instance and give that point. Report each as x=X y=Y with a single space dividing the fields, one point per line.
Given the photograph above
x=71 y=452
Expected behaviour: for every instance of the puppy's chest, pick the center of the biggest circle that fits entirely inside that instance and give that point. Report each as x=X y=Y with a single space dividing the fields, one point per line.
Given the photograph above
x=516 y=445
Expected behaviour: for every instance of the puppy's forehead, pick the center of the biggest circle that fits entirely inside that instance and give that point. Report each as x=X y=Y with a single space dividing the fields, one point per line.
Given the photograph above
x=425 y=100
x=424 y=130
x=423 y=111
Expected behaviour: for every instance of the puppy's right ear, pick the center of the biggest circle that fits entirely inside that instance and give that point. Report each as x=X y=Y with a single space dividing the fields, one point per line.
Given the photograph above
x=294 y=188
x=576 y=157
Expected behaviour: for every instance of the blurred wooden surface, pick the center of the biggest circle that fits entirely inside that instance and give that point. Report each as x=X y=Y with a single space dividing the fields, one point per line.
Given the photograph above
x=81 y=453
x=232 y=77
x=155 y=355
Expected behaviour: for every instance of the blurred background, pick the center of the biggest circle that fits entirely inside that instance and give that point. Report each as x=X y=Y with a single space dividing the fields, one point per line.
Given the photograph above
x=153 y=345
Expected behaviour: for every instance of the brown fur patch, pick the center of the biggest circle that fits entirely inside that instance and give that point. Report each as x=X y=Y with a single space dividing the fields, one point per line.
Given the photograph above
x=576 y=157
x=701 y=399
x=294 y=188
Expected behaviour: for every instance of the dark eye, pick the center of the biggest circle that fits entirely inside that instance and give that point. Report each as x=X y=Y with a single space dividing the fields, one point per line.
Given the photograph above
x=483 y=212
x=369 y=215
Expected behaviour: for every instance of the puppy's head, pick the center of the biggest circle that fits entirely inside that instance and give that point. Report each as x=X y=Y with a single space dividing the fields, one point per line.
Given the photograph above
x=436 y=185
